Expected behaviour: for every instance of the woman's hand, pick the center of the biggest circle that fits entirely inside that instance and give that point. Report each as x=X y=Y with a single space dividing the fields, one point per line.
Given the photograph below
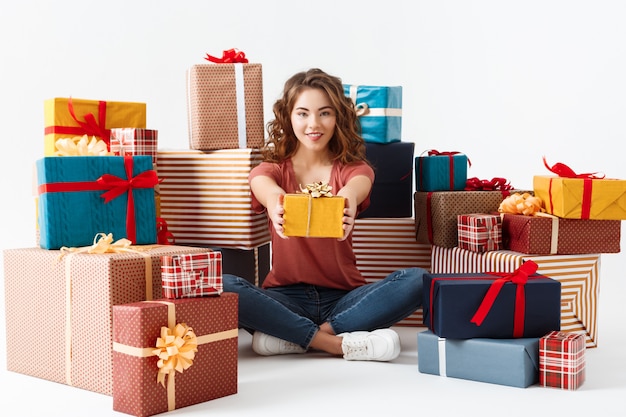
x=275 y=213
x=349 y=215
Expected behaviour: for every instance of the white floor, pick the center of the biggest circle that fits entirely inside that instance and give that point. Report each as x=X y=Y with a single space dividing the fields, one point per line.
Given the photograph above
x=306 y=385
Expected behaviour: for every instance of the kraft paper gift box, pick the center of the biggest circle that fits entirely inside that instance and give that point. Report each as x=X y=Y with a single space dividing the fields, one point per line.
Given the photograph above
x=225 y=106
x=511 y=362
x=133 y=141
x=480 y=232
x=436 y=213
x=379 y=109
x=81 y=196
x=382 y=246
x=392 y=190
x=582 y=198
x=212 y=370
x=313 y=217
x=192 y=275
x=206 y=199
x=499 y=306
x=69 y=117
x=562 y=360
x=58 y=310
x=579 y=276
x=250 y=264
x=547 y=234
x=441 y=171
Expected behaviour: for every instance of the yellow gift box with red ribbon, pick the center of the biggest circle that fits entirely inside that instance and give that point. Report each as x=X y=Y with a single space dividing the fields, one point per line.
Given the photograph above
x=580 y=196
x=313 y=213
x=169 y=354
x=70 y=117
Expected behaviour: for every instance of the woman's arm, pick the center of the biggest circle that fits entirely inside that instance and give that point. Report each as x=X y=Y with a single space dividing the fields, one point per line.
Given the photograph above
x=355 y=192
x=271 y=196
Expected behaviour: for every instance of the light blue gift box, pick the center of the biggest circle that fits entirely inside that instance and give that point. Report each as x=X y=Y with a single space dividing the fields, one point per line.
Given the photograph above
x=379 y=110
x=71 y=209
x=512 y=362
x=441 y=172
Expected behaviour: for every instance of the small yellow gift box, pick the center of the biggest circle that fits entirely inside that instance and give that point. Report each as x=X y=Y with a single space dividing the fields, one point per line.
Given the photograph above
x=314 y=213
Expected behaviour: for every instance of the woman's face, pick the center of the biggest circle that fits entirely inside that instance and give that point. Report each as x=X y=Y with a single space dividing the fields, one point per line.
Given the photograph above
x=313 y=119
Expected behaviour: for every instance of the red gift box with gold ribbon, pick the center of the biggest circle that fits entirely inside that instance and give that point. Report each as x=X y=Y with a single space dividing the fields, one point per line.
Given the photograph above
x=169 y=354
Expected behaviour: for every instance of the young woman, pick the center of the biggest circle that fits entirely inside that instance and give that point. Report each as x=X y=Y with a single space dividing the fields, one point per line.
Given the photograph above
x=314 y=297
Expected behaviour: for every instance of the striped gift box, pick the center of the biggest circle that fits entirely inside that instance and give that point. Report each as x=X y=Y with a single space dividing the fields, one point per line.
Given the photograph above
x=562 y=360
x=579 y=276
x=206 y=199
x=132 y=141
x=192 y=275
x=384 y=245
x=480 y=232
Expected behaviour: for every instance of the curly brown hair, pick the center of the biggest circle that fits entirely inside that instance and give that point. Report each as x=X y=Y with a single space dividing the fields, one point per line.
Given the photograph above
x=347 y=145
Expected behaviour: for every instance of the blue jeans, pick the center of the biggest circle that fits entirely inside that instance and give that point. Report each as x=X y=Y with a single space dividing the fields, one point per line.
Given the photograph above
x=295 y=312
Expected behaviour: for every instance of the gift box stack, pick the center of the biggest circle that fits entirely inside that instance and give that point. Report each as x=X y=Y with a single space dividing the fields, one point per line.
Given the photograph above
x=100 y=244
x=384 y=233
x=206 y=199
x=561 y=226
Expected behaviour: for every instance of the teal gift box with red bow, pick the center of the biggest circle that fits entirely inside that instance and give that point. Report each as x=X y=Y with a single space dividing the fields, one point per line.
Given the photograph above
x=81 y=196
x=492 y=305
x=441 y=171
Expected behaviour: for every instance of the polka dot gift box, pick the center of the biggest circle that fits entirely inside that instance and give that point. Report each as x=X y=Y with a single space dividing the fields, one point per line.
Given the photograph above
x=169 y=354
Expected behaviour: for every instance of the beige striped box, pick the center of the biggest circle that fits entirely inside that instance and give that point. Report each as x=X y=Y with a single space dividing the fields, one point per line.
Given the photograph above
x=579 y=276
x=206 y=199
x=384 y=245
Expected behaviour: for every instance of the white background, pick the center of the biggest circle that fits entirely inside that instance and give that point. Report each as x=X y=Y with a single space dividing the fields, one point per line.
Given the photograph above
x=505 y=82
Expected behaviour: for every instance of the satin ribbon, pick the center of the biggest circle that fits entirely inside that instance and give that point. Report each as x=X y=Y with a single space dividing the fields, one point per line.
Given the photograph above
x=81 y=146
x=565 y=171
x=229 y=56
x=116 y=186
x=89 y=126
x=102 y=244
x=164 y=236
x=170 y=331
x=519 y=277
x=495 y=184
x=363 y=109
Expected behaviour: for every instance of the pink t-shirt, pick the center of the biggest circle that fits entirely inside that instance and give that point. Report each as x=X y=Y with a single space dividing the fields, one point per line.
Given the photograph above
x=326 y=262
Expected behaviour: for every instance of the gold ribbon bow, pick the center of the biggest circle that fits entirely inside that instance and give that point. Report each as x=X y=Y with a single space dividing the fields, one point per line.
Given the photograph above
x=176 y=350
x=518 y=203
x=81 y=146
x=317 y=189
x=102 y=243
x=361 y=109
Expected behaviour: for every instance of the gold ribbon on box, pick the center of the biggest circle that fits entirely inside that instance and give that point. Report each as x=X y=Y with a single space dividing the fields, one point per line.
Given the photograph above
x=81 y=146
x=102 y=243
x=521 y=203
x=176 y=349
x=315 y=190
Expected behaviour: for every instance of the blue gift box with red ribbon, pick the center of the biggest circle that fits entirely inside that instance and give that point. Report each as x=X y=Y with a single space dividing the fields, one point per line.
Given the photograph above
x=441 y=171
x=81 y=196
x=492 y=305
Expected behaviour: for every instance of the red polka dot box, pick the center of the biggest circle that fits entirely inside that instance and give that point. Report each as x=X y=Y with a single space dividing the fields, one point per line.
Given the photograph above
x=59 y=309
x=169 y=354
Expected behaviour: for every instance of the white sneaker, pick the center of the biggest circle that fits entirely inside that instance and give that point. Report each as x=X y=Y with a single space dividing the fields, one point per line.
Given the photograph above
x=266 y=345
x=380 y=345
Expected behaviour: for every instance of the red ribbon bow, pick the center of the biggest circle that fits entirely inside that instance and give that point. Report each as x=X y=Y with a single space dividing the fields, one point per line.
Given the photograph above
x=564 y=171
x=495 y=184
x=164 y=236
x=519 y=277
x=229 y=56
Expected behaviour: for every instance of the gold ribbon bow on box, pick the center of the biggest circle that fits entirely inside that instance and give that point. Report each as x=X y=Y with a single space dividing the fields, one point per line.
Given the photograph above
x=521 y=203
x=81 y=146
x=317 y=189
x=176 y=350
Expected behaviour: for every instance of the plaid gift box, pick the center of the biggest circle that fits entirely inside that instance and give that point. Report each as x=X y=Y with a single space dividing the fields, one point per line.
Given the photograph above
x=133 y=141
x=225 y=106
x=192 y=275
x=307 y=216
x=69 y=117
x=379 y=109
x=562 y=360
x=480 y=232
x=204 y=330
